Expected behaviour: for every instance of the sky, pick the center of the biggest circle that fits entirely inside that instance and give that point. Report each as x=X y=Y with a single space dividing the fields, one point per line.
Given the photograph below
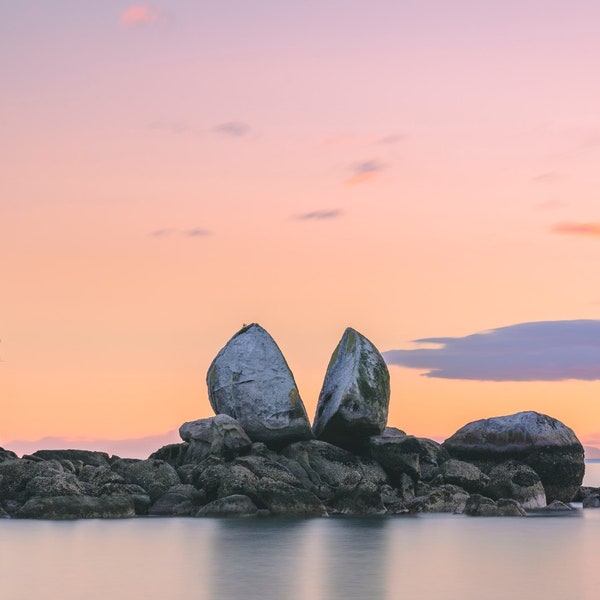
x=423 y=171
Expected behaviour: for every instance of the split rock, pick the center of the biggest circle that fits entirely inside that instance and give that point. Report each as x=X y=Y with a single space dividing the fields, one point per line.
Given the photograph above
x=354 y=400
x=250 y=381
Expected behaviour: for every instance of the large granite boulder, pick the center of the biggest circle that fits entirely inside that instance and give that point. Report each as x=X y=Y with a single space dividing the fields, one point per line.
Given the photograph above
x=353 y=403
x=548 y=446
x=250 y=381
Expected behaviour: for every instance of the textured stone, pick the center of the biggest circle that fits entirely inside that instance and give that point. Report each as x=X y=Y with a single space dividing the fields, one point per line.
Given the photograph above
x=154 y=476
x=445 y=498
x=353 y=403
x=236 y=505
x=87 y=457
x=464 y=475
x=179 y=501
x=345 y=483
x=220 y=435
x=481 y=506
x=517 y=481
x=548 y=446
x=77 y=507
x=250 y=381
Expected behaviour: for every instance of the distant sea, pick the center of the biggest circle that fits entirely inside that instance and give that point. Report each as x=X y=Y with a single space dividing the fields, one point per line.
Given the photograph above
x=425 y=557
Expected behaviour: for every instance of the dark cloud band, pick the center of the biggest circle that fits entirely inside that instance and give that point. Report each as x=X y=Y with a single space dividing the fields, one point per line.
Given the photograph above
x=540 y=351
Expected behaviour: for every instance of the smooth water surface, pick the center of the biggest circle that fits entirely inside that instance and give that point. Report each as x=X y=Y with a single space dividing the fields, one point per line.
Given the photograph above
x=425 y=557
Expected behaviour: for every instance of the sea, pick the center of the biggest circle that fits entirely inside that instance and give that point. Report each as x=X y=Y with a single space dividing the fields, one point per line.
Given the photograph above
x=424 y=557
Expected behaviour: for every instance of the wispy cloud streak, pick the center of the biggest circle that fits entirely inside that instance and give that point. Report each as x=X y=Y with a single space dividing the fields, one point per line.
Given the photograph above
x=195 y=232
x=589 y=229
x=320 y=215
x=364 y=171
x=139 y=15
x=232 y=129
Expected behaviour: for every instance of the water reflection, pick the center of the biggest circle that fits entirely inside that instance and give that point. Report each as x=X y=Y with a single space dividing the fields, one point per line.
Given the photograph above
x=437 y=556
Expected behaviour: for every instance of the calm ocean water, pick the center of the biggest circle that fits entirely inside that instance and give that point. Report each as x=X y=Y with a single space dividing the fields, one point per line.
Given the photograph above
x=421 y=558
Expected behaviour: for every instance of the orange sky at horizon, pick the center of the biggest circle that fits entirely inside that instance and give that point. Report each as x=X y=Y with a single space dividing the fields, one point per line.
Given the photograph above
x=411 y=171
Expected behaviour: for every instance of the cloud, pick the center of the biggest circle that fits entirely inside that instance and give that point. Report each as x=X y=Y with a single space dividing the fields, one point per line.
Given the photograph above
x=547 y=177
x=364 y=171
x=320 y=215
x=195 y=232
x=589 y=229
x=232 y=128
x=139 y=15
x=539 y=351
x=388 y=140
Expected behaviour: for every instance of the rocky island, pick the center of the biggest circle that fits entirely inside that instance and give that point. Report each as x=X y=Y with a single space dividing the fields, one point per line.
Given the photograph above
x=260 y=456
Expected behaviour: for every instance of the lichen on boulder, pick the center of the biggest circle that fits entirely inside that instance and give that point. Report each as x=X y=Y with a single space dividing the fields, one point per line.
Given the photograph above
x=354 y=400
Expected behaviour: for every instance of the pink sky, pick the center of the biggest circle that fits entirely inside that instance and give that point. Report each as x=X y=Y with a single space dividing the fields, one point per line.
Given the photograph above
x=171 y=171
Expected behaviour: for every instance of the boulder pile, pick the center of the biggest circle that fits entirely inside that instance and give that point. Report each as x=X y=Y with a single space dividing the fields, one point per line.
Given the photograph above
x=259 y=455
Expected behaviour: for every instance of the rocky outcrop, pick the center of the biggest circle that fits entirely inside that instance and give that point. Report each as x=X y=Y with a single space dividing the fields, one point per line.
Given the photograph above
x=77 y=507
x=545 y=444
x=250 y=381
x=353 y=403
x=258 y=456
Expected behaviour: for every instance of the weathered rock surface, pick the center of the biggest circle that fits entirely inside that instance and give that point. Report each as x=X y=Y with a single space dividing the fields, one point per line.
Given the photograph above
x=548 y=446
x=220 y=436
x=250 y=381
x=77 y=507
x=236 y=505
x=86 y=457
x=344 y=482
x=353 y=403
x=179 y=501
x=517 y=481
x=7 y=455
x=444 y=498
x=481 y=506
x=154 y=476
x=464 y=475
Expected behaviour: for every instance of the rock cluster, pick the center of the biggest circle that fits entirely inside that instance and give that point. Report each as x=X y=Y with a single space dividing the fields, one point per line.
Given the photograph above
x=259 y=456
